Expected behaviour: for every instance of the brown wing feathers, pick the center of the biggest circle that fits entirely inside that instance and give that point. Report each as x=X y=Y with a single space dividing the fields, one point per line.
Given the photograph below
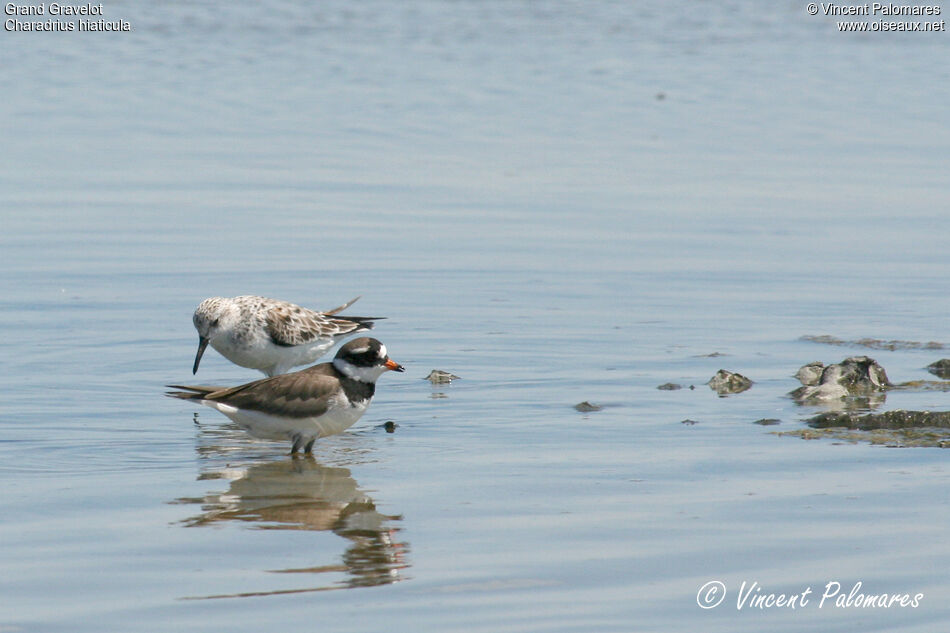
x=300 y=394
x=296 y=326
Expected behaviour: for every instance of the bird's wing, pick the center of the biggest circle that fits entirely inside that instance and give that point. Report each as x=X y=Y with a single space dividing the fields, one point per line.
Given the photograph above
x=289 y=325
x=304 y=393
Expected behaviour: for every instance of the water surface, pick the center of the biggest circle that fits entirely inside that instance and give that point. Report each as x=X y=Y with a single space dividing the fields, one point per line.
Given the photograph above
x=557 y=203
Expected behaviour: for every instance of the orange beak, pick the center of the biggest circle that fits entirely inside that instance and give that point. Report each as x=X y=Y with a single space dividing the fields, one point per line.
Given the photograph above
x=393 y=365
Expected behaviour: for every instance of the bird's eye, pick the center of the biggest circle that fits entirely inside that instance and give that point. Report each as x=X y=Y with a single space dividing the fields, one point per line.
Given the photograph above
x=214 y=323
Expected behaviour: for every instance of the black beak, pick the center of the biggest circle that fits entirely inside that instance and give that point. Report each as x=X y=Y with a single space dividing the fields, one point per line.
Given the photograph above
x=202 y=344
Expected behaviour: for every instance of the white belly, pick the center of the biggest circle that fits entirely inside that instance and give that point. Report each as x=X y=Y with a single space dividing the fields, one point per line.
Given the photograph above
x=266 y=426
x=263 y=355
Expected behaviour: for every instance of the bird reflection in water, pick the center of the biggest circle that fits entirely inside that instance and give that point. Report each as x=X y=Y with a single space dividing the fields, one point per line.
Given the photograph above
x=302 y=494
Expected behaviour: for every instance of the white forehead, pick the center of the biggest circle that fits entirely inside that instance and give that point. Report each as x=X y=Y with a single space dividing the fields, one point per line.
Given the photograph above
x=365 y=348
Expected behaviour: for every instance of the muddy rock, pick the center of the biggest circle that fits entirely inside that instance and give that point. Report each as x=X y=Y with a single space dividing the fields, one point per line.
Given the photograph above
x=726 y=382
x=855 y=376
x=893 y=420
x=587 y=407
x=810 y=374
x=940 y=369
x=439 y=377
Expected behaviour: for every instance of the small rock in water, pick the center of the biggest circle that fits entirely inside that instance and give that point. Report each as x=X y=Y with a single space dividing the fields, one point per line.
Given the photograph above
x=767 y=422
x=587 y=407
x=810 y=374
x=941 y=368
x=689 y=422
x=855 y=376
x=439 y=377
x=390 y=426
x=669 y=386
x=726 y=382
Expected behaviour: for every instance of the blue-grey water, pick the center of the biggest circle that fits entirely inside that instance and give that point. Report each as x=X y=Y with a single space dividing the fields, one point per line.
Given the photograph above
x=558 y=202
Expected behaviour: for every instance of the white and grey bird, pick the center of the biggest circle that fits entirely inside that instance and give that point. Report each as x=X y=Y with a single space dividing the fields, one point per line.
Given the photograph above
x=270 y=335
x=304 y=405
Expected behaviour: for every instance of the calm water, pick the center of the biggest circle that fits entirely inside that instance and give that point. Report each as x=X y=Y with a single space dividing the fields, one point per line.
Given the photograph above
x=557 y=203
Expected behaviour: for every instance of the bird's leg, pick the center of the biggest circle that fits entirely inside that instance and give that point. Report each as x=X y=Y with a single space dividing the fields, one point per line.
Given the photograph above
x=308 y=449
x=298 y=443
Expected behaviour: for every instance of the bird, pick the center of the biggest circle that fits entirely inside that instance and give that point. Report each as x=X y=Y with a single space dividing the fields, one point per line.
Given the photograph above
x=270 y=335
x=304 y=405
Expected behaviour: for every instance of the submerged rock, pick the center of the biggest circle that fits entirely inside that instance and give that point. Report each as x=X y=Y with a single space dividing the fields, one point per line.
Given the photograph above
x=669 y=386
x=439 y=377
x=891 y=428
x=726 y=382
x=767 y=422
x=874 y=343
x=855 y=376
x=587 y=407
x=898 y=438
x=940 y=369
x=923 y=385
x=893 y=420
